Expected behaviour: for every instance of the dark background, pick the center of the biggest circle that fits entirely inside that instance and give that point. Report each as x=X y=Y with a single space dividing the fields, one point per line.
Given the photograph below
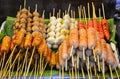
x=10 y=7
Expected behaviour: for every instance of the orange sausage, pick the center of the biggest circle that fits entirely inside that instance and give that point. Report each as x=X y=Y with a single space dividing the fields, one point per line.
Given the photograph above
x=110 y=56
x=98 y=50
x=91 y=38
x=5 y=46
x=64 y=51
x=37 y=39
x=101 y=30
x=48 y=57
x=28 y=40
x=52 y=60
x=73 y=37
x=106 y=28
x=19 y=37
x=90 y=23
x=61 y=61
x=80 y=25
x=82 y=39
x=104 y=49
x=41 y=47
x=95 y=24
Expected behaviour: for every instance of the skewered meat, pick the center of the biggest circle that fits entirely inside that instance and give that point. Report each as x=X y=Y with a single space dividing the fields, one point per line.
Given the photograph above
x=91 y=38
x=5 y=46
x=19 y=37
x=28 y=40
x=73 y=38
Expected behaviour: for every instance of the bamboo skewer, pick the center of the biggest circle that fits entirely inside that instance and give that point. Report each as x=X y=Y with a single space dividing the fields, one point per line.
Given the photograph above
x=59 y=73
x=116 y=73
x=51 y=72
x=25 y=59
x=43 y=69
x=103 y=10
x=95 y=69
x=62 y=72
x=83 y=72
x=111 y=71
x=88 y=70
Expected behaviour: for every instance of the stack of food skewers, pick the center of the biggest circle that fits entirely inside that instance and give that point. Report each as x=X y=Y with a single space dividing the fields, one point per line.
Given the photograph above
x=82 y=46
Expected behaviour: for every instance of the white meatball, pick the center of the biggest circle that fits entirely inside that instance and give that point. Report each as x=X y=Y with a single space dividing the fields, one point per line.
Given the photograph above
x=52 y=28
x=49 y=45
x=59 y=20
x=53 y=18
x=64 y=26
x=58 y=40
x=51 y=40
x=58 y=25
x=67 y=21
x=53 y=22
x=58 y=34
x=55 y=46
x=57 y=29
x=52 y=33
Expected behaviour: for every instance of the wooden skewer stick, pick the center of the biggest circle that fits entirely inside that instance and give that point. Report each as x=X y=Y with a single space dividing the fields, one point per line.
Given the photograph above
x=103 y=68
x=59 y=13
x=43 y=14
x=98 y=63
x=36 y=8
x=35 y=68
x=94 y=54
x=88 y=11
x=103 y=10
x=98 y=76
x=110 y=71
x=24 y=3
x=88 y=70
x=88 y=63
x=71 y=14
x=68 y=8
x=62 y=72
x=83 y=72
x=72 y=56
x=59 y=73
x=30 y=60
x=43 y=69
x=91 y=72
x=78 y=61
x=84 y=12
x=18 y=65
x=66 y=64
x=51 y=72
x=117 y=73
x=72 y=72
x=95 y=69
x=76 y=70
x=53 y=11
x=40 y=62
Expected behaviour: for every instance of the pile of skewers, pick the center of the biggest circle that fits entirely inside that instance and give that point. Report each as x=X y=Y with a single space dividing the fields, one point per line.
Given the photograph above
x=82 y=46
